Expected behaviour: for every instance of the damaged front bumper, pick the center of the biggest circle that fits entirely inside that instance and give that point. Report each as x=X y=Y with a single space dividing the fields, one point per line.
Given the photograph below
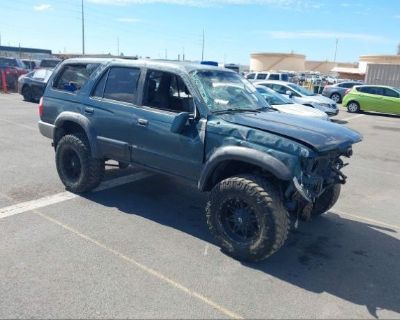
x=319 y=174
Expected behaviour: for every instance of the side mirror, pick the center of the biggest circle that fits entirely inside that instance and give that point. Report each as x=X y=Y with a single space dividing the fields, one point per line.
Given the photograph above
x=289 y=93
x=179 y=122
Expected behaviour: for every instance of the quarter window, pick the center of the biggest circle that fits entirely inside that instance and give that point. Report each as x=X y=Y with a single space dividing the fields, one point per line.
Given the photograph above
x=74 y=76
x=390 y=93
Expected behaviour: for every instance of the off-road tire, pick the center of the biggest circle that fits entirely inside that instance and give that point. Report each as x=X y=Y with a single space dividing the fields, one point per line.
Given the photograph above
x=91 y=169
x=326 y=200
x=264 y=199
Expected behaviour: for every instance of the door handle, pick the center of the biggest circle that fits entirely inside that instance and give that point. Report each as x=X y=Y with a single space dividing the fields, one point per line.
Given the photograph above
x=89 y=110
x=143 y=122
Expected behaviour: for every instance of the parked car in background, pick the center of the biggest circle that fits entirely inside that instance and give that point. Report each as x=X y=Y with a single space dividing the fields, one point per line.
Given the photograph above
x=254 y=76
x=30 y=64
x=337 y=91
x=285 y=105
x=13 y=68
x=49 y=63
x=373 y=98
x=32 y=85
x=302 y=96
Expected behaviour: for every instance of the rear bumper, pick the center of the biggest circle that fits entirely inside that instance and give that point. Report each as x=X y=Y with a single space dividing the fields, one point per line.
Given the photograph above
x=46 y=129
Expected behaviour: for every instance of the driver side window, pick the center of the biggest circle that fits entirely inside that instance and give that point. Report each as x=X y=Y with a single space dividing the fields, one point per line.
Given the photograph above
x=167 y=91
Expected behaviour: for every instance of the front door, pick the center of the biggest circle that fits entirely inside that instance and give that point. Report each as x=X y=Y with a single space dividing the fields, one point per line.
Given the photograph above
x=165 y=95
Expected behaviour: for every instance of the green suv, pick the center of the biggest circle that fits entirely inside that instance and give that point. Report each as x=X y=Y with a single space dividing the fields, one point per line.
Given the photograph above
x=373 y=98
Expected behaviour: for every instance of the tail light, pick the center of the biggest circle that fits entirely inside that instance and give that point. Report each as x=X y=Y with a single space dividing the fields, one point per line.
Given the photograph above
x=41 y=107
x=347 y=91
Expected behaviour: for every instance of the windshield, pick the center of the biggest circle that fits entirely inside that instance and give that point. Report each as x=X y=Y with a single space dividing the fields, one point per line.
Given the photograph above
x=49 y=63
x=301 y=90
x=227 y=91
x=272 y=97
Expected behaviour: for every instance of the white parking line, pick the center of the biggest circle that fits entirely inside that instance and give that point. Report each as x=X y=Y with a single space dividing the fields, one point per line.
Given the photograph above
x=352 y=117
x=146 y=269
x=64 y=196
x=364 y=219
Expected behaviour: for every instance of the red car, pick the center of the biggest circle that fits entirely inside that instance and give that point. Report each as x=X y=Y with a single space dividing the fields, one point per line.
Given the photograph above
x=13 y=68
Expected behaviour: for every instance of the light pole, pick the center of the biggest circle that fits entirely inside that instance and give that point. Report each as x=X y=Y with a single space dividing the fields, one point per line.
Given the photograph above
x=83 y=31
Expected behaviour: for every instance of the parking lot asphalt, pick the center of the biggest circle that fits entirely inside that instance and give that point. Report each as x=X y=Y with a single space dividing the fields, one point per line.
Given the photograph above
x=139 y=247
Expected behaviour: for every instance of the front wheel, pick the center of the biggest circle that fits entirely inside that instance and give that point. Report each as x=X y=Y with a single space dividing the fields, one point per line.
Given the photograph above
x=246 y=216
x=78 y=170
x=326 y=200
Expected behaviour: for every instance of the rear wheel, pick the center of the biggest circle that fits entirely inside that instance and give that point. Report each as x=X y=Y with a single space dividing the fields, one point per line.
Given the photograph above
x=353 y=107
x=246 y=216
x=336 y=97
x=78 y=170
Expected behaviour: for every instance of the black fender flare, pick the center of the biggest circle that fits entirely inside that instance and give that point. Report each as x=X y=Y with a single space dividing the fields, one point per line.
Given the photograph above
x=84 y=123
x=251 y=156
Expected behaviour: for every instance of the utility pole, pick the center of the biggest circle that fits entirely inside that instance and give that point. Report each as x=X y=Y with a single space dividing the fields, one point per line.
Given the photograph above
x=183 y=53
x=202 y=48
x=83 y=31
x=166 y=54
x=336 y=46
x=117 y=46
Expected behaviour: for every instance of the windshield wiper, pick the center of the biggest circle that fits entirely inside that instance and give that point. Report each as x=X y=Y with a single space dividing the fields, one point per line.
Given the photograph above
x=238 y=110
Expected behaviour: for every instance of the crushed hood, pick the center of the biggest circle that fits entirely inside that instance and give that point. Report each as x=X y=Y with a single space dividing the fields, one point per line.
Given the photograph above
x=319 y=135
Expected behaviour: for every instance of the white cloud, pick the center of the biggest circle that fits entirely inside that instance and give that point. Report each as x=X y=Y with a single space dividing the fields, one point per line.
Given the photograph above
x=128 y=20
x=326 y=35
x=42 y=7
x=208 y=3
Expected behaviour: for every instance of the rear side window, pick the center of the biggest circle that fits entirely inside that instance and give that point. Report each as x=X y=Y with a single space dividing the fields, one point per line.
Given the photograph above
x=74 y=76
x=121 y=84
x=274 y=76
x=262 y=76
x=285 y=77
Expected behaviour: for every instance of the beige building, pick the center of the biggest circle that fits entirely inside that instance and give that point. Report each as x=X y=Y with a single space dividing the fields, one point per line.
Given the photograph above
x=320 y=66
x=377 y=59
x=277 y=61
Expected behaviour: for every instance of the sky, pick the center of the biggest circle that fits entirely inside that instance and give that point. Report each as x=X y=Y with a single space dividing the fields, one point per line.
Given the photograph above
x=233 y=29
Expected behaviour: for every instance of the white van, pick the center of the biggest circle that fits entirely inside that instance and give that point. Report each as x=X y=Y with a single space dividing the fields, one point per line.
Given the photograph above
x=257 y=76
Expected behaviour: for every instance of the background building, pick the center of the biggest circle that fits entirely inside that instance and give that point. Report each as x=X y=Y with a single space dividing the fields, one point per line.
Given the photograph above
x=277 y=61
x=24 y=53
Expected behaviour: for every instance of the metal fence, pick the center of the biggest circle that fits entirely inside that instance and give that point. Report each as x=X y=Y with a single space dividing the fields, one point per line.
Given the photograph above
x=383 y=74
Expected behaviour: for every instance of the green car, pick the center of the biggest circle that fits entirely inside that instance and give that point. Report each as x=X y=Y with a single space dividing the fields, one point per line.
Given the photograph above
x=373 y=98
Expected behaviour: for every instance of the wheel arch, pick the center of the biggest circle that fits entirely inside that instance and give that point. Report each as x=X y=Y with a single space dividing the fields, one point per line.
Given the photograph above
x=233 y=160
x=70 y=123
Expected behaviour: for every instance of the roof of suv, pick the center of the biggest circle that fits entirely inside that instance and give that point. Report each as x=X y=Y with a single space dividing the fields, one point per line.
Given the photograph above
x=158 y=64
x=272 y=81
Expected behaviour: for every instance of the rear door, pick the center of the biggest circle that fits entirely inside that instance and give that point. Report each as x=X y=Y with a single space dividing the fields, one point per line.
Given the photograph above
x=112 y=107
x=165 y=95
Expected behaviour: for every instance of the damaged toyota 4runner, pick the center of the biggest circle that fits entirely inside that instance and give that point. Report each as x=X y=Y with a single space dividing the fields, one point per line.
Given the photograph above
x=206 y=125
